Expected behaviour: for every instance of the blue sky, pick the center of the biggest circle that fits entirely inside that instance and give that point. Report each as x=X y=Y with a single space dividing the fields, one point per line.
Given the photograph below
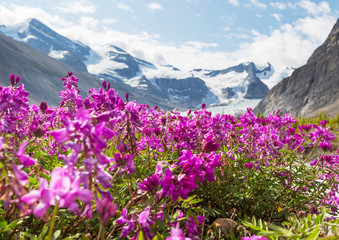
x=189 y=34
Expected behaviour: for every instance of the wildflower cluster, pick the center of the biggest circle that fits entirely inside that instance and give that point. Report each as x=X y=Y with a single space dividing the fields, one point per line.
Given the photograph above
x=141 y=171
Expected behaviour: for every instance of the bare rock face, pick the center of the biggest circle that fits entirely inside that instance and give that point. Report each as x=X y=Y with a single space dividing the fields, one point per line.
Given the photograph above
x=312 y=88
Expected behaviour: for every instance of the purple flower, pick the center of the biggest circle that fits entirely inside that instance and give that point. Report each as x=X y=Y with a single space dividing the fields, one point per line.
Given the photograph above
x=192 y=227
x=210 y=146
x=63 y=187
x=60 y=182
x=125 y=163
x=1 y=143
x=177 y=234
x=175 y=186
x=24 y=158
x=325 y=145
x=130 y=223
x=104 y=84
x=20 y=174
x=106 y=209
x=14 y=80
x=66 y=188
x=315 y=162
x=43 y=106
x=249 y=165
x=150 y=184
x=146 y=222
x=43 y=195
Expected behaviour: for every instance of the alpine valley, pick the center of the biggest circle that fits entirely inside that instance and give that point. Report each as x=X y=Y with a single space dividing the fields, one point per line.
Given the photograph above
x=42 y=56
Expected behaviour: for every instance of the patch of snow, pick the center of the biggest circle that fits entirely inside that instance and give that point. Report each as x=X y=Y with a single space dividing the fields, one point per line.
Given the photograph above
x=210 y=98
x=28 y=37
x=106 y=48
x=92 y=59
x=105 y=66
x=13 y=30
x=235 y=107
x=236 y=81
x=165 y=72
x=264 y=74
x=280 y=73
x=57 y=54
x=134 y=82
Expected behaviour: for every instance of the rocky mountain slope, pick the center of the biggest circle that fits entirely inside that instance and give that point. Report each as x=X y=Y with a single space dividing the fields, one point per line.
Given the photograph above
x=312 y=88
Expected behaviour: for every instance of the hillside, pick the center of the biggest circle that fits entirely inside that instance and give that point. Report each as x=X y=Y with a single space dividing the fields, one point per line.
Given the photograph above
x=311 y=89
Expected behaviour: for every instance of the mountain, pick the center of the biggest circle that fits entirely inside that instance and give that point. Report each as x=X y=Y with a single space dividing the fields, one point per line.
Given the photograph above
x=311 y=89
x=239 y=81
x=167 y=85
x=42 y=75
x=187 y=89
x=37 y=35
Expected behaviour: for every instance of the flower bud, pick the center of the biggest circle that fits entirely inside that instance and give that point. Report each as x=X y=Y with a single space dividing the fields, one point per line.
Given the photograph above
x=43 y=106
x=12 y=79
x=104 y=84
x=17 y=80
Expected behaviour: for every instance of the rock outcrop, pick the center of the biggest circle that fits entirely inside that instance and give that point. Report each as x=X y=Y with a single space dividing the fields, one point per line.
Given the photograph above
x=311 y=89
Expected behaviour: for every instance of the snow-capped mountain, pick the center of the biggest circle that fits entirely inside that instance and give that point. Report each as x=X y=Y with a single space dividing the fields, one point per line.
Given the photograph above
x=182 y=89
x=236 y=82
x=236 y=87
x=39 y=36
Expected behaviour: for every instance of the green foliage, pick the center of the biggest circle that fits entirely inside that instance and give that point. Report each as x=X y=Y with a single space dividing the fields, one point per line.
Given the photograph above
x=260 y=193
x=308 y=227
x=332 y=123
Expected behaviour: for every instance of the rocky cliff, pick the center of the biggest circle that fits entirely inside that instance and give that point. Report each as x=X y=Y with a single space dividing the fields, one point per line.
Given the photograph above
x=312 y=88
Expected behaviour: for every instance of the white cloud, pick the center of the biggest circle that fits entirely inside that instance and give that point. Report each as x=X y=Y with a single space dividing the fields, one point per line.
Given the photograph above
x=124 y=7
x=288 y=46
x=278 y=5
x=109 y=21
x=227 y=28
x=79 y=6
x=19 y=13
x=256 y=3
x=200 y=45
x=154 y=6
x=234 y=2
x=89 y=22
x=238 y=35
x=277 y=16
x=227 y=18
x=258 y=15
x=292 y=5
x=315 y=28
x=313 y=8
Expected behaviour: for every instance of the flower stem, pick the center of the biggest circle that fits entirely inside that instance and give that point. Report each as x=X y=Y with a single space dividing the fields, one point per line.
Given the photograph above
x=53 y=221
x=101 y=231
